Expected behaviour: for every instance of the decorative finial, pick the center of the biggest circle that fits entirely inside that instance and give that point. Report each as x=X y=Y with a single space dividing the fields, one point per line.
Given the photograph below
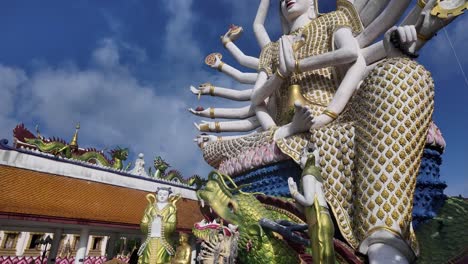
x=74 y=141
x=37 y=132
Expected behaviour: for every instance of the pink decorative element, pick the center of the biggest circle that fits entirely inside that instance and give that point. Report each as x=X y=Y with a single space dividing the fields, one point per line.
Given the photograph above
x=252 y=159
x=58 y=260
x=434 y=137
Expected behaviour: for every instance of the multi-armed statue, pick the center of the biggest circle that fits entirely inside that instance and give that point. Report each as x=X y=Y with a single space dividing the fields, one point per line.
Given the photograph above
x=364 y=105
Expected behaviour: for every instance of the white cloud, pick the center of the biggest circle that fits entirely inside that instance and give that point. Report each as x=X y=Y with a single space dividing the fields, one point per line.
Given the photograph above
x=10 y=81
x=112 y=105
x=179 y=31
x=106 y=55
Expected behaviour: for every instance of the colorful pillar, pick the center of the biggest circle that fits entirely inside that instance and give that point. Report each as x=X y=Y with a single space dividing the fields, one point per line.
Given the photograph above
x=81 y=252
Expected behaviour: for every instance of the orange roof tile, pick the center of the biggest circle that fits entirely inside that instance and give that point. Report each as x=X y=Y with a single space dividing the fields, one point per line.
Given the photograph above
x=36 y=193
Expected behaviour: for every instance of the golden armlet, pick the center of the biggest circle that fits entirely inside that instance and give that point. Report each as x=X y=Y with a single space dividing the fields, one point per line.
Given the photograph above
x=281 y=76
x=220 y=66
x=331 y=114
x=212 y=113
x=296 y=66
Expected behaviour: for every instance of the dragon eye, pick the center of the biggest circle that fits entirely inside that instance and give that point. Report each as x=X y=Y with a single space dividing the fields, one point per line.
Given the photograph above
x=231 y=207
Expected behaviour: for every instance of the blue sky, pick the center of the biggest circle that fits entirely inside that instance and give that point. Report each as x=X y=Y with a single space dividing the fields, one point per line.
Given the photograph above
x=122 y=69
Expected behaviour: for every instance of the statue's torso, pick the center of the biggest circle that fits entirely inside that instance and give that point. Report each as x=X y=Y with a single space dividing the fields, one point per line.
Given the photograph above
x=317 y=86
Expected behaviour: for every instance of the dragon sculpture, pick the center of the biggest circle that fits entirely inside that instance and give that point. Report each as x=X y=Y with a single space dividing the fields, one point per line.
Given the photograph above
x=174 y=175
x=245 y=211
x=58 y=147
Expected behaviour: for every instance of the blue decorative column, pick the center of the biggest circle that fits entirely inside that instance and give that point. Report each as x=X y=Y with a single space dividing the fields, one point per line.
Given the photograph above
x=271 y=179
x=429 y=194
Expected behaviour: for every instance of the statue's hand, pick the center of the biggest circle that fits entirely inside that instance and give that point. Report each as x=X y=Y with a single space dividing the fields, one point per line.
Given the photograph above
x=204 y=112
x=203 y=139
x=428 y=24
x=292 y=186
x=217 y=63
x=288 y=54
x=233 y=33
x=404 y=42
x=320 y=121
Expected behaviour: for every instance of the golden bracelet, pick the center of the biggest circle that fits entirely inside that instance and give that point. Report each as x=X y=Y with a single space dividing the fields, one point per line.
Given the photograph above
x=293 y=194
x=217 y=127
x=421 y=3
x=280 y=75
x=225 y=42
x=296 y=66
x=331 y=114
x=212 y=89
x=212 y=113
x=204 y=128
x=220 y=66
x=422 y=37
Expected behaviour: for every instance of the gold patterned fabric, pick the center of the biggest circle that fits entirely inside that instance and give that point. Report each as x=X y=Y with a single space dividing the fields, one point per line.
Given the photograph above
x=350 y=11
x=318 y=86
x=157 y=250
x=370 y=165
x=392 y=111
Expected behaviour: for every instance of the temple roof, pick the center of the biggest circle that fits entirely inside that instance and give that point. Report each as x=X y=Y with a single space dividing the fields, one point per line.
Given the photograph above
x=26 y=192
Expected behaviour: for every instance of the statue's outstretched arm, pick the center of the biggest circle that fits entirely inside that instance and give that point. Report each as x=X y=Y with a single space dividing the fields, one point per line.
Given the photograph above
x=346 y=52
x=228 y=39
x=245 y=125
x=384 y=49
x=259 y=24
x=263 y=88
x=427 y=25
x=229 y=113
x=242 y=77
x=244 y=60
x=209 y=89
x=387 y=18
x=371 y=10
x=202 y=139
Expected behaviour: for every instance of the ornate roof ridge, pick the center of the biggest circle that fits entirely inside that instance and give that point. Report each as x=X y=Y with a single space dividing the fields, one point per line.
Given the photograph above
x=22 y=149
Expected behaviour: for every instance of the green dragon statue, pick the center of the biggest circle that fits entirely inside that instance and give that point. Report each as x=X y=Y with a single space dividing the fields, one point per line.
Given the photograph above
x=88 y=155
x=173 y=175
x=256 y=245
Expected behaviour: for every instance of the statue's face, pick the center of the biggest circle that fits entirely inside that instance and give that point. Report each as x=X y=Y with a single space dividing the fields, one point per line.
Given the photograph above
x=163 y=195
x=292 y=9
x=220 y=237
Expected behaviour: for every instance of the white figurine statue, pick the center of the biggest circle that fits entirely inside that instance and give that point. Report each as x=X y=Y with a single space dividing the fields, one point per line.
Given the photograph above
x=139 y=168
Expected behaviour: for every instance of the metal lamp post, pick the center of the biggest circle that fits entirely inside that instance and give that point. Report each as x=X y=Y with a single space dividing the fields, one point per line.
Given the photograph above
x=47 y=241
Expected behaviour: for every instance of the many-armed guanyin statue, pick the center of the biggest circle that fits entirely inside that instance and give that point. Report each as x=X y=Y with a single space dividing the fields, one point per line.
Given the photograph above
x=158 y=223
x=364 y=104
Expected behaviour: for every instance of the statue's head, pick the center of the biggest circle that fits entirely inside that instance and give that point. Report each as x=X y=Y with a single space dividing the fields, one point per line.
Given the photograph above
x=163 y=194
x=183 y=238
x=220 y=236
x=290 y=10
x=307 y=156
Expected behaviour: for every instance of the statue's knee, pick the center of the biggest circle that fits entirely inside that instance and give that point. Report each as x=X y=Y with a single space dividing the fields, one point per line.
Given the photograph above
x=383 y=246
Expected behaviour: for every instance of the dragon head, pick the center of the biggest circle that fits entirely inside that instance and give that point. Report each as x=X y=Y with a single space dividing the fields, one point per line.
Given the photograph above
x=160 y=164
x=219 y=197
x=119 y=153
